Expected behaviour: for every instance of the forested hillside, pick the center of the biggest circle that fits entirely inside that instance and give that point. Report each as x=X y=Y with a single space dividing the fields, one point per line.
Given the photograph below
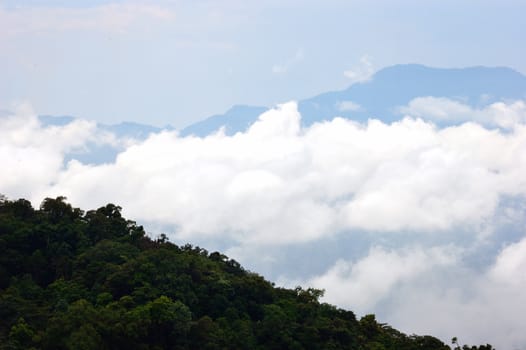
x=71 y=279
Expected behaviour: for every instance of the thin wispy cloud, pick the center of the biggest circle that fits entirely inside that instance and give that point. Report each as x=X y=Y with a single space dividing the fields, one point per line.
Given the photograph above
x=285 y=66
x=112 y=17
x=349 y=106
x=361 y=72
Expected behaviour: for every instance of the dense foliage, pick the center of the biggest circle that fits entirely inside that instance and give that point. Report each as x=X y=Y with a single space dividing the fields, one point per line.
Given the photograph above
x=93 y=280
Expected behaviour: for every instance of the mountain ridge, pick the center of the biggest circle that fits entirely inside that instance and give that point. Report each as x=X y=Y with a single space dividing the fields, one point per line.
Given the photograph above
x=389 y=87
x=381 y=97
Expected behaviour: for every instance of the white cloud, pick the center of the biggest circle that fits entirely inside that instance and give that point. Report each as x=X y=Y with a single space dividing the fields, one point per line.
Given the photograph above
x=444 y=109
x=33 y=155
x=361 y=285
x=476 y=306
x=284 y=67
x=348 y=106
x=510 y=266
x=362 y=72
x=430 y=290
x=279 y=183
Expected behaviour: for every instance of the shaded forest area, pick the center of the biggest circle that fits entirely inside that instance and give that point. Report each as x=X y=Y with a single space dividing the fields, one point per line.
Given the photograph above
x=71 y=279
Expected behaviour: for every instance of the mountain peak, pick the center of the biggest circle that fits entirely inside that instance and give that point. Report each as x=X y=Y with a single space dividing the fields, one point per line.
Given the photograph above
x=419 y=71
x=380 y=97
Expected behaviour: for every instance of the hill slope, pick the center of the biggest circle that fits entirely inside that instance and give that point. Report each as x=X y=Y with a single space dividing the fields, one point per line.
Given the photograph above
x=93 y=280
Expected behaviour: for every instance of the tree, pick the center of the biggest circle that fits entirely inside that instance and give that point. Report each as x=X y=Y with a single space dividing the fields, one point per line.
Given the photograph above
x=70 y=280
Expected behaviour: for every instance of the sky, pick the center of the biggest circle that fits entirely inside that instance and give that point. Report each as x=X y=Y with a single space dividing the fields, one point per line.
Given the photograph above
x=420 y=222
x=177 y=62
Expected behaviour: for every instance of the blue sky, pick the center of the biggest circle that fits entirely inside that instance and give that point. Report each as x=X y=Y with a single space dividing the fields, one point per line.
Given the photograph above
x=176 y=62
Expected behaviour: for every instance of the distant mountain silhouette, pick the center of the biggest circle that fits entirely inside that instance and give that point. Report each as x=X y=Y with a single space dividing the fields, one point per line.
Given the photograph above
x=396 y=86
x=103 y=153
x=237 y=118
x=381 y=97
x=124 y=129
x=55 y=120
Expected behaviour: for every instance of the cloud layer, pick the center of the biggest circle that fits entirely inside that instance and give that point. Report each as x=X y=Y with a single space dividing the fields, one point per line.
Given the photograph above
x=441 y=109
x=430 y=291
x=427 y=198
x=278 y=183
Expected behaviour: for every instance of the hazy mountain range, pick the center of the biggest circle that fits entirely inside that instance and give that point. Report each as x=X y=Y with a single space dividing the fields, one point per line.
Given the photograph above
x=381 y=97
x=386 y=91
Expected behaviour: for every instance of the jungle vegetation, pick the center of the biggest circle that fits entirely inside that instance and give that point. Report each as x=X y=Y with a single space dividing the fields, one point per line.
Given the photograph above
x=74 y=279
